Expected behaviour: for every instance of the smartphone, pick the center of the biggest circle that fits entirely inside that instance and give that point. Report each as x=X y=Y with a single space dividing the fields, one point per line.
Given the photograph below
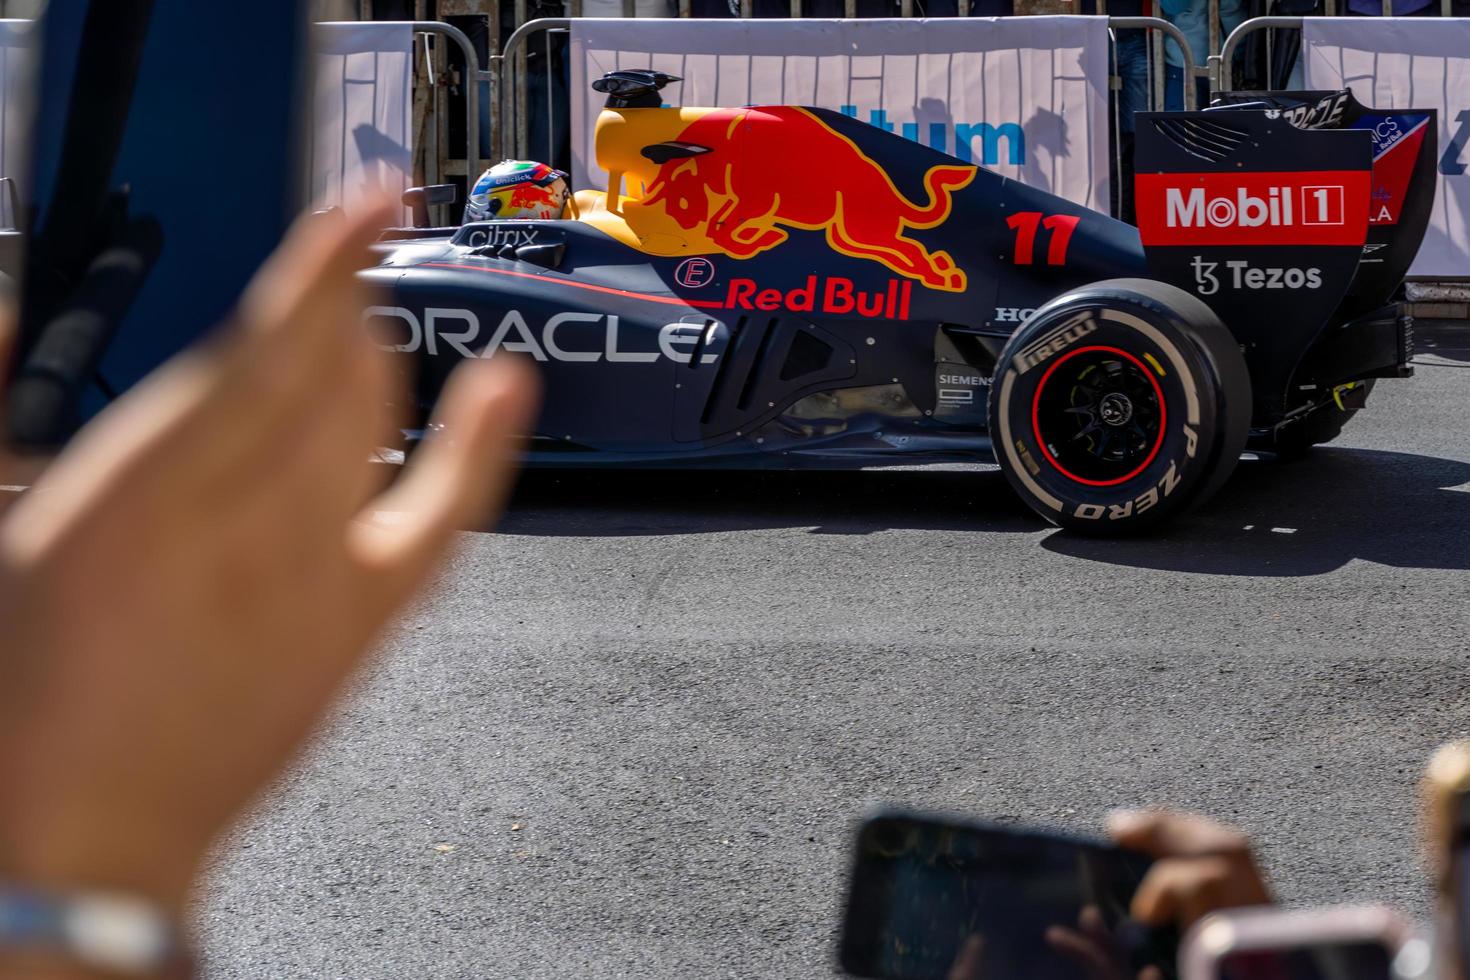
x=163 y=167
x=937 y=898
x=1456 y=894
x=1348 y=943
x=1447 y=831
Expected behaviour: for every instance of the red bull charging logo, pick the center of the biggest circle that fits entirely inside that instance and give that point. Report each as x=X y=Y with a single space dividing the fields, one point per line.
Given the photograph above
x=532 y=196
x=739 y=178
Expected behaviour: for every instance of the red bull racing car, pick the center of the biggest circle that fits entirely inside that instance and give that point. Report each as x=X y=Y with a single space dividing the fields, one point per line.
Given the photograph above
x=789 y=287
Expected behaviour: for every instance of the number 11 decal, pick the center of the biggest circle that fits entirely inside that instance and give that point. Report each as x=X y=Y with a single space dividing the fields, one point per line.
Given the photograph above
x=1025 y=224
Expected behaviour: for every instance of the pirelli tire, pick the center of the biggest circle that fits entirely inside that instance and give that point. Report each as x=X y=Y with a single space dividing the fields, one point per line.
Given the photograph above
x=1119 y=405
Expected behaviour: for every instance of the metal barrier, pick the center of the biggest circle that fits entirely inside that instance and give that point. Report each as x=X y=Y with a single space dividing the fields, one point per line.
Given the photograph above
x=1191 y=70
x=475 y=75
x=511 y=142
x=1221 y=65
x=512 y=87
x=1221 y=70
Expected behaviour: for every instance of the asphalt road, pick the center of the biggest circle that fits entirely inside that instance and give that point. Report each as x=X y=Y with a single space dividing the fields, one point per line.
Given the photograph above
x=628 y=735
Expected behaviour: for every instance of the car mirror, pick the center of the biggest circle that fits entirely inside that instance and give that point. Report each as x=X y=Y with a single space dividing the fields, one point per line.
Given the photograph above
x=420 y=199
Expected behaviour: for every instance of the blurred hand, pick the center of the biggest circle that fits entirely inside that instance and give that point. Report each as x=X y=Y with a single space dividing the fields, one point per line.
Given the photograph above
x=1446 y=782
x=1200 y=866
x=970 y=963
x=1094 y=950
x=190 y=583
x=15 y=471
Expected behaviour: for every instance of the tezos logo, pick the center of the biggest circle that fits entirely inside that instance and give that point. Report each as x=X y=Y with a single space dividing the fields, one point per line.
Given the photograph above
x=1242 y=275
x=694 y=273
x=1279 y=207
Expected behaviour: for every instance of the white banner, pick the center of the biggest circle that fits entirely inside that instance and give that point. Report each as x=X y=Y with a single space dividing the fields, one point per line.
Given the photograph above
x=1023 y=96
x=361 y=121
x=1409 y=63
x=362 y=135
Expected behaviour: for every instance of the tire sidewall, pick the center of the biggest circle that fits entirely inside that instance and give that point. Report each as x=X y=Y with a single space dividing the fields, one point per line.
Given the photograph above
x=1149 y=334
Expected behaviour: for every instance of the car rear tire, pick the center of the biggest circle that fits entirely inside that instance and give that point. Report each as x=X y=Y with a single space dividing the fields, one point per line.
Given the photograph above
x=1119 y=405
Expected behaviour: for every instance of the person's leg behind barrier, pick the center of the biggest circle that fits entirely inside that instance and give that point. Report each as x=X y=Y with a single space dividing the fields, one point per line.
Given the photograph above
x=1173 y=88
x=1132 y=69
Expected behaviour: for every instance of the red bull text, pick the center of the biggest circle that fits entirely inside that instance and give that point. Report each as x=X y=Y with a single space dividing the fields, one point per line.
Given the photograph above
x=834 y=296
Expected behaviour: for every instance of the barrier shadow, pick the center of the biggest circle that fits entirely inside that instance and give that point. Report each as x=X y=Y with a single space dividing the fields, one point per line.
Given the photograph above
x=1309 y=517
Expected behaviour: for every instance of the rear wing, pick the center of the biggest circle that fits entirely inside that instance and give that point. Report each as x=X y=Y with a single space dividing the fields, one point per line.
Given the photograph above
x=1288 y=217
x=1405 y=146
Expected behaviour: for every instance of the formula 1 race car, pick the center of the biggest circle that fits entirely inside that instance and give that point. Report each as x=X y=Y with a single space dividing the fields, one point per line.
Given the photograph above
x=789 y=287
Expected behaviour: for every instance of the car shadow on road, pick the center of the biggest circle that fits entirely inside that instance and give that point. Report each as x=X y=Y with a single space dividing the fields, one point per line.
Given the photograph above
x=1311 y=516
x=641 y=502
x=1272 y=519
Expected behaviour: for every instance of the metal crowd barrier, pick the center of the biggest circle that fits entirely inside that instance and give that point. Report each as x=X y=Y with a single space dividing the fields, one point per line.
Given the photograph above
x=1221 y=67
x=1156 y=51
x=1222 y=64
x=506 y=73
x=474 y=75
x=508 y=68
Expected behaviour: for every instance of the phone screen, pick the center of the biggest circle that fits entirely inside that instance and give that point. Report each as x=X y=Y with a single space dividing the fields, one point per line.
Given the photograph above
x=1329 y=961
x=1460 y=878
x=936 y=900
x=176 y=117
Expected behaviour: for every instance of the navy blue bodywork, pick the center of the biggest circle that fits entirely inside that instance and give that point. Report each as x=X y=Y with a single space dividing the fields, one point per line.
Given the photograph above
x=798 y=356
x=863 y=326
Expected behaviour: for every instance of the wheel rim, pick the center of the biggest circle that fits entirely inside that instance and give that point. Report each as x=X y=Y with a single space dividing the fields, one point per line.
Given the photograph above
x=1099 y=415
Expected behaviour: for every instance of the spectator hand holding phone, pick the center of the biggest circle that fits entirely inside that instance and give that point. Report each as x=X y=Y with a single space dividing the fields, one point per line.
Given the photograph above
x=189 y=585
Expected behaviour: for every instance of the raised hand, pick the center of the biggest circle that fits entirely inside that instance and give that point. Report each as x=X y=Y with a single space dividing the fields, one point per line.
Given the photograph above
x=189 y=584
x=1201 y=866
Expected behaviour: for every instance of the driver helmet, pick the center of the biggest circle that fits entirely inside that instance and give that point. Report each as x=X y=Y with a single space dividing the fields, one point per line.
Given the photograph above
x=517 y=189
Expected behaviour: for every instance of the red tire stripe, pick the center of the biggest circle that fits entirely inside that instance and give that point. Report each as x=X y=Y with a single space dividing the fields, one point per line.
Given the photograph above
x=1036 y=416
